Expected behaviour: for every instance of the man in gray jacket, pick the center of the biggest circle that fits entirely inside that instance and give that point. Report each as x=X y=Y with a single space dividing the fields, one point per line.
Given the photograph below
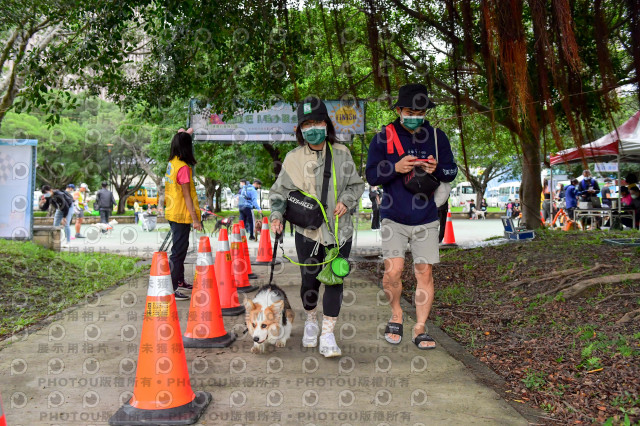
x=105 y=203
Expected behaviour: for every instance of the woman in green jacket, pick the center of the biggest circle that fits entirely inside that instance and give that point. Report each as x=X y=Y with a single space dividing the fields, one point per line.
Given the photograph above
x=303 y=169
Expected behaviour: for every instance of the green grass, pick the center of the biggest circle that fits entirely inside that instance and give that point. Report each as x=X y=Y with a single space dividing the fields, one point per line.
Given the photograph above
x=38 y=282
x=455 y=294
x=534 y=379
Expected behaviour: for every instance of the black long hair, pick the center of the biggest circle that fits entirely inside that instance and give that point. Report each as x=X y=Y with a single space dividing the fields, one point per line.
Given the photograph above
x=182 y=147
x=331 y=133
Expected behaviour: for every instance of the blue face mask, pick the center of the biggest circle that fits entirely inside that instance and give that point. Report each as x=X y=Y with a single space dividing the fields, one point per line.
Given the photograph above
x=315 y=135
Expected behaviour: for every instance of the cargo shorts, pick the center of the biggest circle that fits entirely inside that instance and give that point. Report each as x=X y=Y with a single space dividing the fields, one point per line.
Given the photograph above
x=423 y=240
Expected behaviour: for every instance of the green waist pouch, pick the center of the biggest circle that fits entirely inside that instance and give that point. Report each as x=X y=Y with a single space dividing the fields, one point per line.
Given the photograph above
x=336 y=269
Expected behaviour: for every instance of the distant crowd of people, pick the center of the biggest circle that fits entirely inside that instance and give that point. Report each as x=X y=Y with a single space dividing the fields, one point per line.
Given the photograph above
x=587 y=191
x=75 y=202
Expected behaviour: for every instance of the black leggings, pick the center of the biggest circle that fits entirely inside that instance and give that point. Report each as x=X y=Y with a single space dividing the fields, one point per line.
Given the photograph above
x=180 y=245
x=332 y=299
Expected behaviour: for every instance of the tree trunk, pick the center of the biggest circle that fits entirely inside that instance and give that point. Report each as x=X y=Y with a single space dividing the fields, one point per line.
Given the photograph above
x=159 y=181
x=210 y=189
x=122 y=202
x=218 y=196
x=275 y=156
x=531 y=187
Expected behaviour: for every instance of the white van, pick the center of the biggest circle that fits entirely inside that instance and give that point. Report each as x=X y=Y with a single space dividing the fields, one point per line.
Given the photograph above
x=462 y=193
x=492 y=197
x=508 y=191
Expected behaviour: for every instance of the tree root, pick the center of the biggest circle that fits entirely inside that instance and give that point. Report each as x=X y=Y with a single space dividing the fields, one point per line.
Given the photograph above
x=581 y=286
x=617 y=295
x=581 y=273
x=555 y=274
x=629 y=316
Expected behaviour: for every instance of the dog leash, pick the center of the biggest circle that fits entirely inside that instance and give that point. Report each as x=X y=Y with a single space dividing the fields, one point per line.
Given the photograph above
x=277 y=239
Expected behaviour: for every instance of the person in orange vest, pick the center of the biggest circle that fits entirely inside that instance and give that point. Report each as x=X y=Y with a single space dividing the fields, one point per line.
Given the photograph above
x=182 y=209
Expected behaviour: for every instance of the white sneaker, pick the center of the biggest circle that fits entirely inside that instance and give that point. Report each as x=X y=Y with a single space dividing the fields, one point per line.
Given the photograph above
x=310 y=337
x=328 y=346
x=64 y=244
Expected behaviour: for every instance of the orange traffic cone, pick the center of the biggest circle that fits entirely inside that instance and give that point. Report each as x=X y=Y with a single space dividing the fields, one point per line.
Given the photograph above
x=245 y=249
x=265 y=251
x=162 y=393
x=205 y=328
x=239 y=264
x=226 y=288
x=449 y=239
x=3 y=420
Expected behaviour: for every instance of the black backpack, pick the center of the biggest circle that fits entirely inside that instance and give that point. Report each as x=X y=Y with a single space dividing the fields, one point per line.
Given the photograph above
x=68 y=198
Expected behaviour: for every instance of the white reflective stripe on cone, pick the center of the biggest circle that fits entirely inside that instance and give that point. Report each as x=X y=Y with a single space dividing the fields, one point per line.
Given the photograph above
x=235 y=238
x=204 y=259
x=160 y=286
x=223 y=246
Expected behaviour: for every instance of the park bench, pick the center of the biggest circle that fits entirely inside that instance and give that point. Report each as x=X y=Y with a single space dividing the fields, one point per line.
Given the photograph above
x=512 y=232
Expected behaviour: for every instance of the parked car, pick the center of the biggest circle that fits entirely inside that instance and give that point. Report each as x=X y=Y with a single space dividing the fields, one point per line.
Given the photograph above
x=36 y=200
x=263 y=196
x=366 y=202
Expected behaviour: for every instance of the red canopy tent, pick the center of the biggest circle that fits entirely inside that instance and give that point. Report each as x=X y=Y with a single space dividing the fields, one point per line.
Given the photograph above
x=622 y=144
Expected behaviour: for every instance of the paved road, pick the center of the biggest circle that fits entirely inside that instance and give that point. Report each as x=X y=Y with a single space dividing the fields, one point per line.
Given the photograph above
x=81 y=368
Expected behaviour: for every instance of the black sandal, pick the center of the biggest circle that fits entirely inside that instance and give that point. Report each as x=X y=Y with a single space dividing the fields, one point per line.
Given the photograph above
x=393 y=328
x=423 y=337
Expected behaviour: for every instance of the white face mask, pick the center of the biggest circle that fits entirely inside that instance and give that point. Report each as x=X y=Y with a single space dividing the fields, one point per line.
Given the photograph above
x=634 y=196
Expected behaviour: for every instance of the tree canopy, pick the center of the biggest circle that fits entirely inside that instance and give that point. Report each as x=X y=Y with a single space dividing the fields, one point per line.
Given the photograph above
x=510 y=70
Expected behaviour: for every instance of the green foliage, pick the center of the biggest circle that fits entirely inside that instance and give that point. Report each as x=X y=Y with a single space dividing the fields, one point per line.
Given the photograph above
x=454 y=294
x=74 y=150
x=534 y=379
x=537 y=302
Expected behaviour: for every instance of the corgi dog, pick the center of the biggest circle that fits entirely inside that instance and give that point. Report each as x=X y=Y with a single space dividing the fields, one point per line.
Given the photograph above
x=269 y=318
x=106 y=228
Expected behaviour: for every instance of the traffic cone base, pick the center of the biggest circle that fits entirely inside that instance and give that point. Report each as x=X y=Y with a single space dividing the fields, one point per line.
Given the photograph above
x=187 y=414
x=275 y=262
x=252 y=276
x=230 y=312
x=247 y=289
x=212 y=342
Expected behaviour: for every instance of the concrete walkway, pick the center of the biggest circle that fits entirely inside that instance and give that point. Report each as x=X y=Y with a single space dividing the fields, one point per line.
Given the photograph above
x=131 y=240
x=80 y=368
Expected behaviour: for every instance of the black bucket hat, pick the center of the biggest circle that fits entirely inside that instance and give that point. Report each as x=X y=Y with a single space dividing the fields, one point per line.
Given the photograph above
x=312 y=108
x=414 y=96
